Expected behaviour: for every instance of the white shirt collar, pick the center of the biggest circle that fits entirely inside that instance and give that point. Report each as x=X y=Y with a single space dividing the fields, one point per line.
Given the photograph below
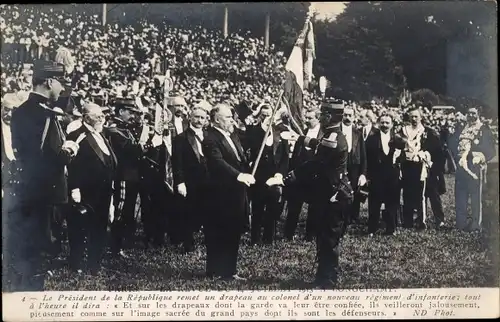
x=38 y=93
x=225 y=133
x=315 y=128
x=90 y=128
x=346 y=128
x=198 y=132
x=385 y=135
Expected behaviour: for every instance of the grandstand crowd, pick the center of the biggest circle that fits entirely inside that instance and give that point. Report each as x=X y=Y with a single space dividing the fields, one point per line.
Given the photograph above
x=120 y=68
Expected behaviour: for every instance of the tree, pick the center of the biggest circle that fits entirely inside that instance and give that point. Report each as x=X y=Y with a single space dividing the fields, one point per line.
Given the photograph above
x=418 y=32
x=356 y=60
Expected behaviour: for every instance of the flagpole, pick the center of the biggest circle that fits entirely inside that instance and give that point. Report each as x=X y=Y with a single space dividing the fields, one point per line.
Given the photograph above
x=263 y=144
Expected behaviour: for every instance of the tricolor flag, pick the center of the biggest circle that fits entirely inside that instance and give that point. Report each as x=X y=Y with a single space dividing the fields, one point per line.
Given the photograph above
x=299 y=74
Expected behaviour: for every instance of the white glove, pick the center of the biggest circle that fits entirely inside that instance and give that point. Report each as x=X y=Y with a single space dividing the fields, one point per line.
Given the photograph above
x=334 y=199
x=246 y=178
x=478 y=157
x=71 y=146
x=76 y=196
x=277 y=180
x=181 y=188
x=361 y=180
x=289 y=136
x=156 y=140
x=424 y=156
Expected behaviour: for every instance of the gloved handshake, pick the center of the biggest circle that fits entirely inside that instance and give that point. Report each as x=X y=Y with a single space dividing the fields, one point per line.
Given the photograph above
x=246 y=178
x=71 y=146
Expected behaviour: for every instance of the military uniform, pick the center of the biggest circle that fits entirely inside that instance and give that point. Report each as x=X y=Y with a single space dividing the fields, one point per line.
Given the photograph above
x=127 y=182
x=322 y=178
x=37 y=140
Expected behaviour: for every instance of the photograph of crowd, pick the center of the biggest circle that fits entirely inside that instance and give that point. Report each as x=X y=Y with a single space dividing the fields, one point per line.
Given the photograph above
x=166 y=147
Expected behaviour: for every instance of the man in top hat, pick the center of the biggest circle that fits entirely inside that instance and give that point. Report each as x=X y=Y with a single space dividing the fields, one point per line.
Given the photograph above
x=90 y=178
x=42 y=153
x=129 y=152
x=324 y=178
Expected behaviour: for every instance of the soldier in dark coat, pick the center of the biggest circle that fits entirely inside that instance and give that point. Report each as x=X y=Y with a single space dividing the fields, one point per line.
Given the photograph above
x=327 y=186
x=126 y=184
x=42 y=153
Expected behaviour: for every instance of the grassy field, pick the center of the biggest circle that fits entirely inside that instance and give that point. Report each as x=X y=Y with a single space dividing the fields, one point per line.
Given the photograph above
x=411 y=259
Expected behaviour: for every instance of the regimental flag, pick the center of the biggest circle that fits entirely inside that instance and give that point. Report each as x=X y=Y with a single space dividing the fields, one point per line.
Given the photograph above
x=298 y=75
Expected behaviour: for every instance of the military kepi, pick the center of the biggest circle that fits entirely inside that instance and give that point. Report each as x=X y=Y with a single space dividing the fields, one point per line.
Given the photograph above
x=43 y=69
x=333 y=106
x=127 y=103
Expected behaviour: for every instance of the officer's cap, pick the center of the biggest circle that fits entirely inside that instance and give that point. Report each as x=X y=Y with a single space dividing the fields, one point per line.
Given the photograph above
x=333 y=106
x=127 y=103
x=48 y=69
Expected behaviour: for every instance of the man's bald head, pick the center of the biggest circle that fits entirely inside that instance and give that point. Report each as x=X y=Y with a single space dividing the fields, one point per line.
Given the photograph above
x=90 y=108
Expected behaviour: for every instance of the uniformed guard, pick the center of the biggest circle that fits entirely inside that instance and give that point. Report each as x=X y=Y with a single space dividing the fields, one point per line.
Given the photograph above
x=324 y=180
x=129 y=150
x=42 y=153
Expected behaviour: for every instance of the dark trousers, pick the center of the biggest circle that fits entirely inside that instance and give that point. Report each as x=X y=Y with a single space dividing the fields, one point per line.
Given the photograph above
x=389 y=215
x=266 y=209
x=124 y=223
x=434 y=196
x=175 y=221
x=355 y=205
x=27 y=242
x=222 y=243
x=413 y=194
x=295 y=204
x=193 y=209
x=89 y=231
x=57 y=230
x=330 y=229
x=154 y=205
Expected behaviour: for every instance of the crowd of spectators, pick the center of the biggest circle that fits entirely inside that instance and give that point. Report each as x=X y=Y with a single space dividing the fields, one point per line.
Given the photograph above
x=117 y=60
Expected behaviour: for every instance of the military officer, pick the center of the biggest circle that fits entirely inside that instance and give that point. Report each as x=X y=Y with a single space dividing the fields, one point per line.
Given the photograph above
x=129 y=152
x=42 y=153
x=325 y=178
